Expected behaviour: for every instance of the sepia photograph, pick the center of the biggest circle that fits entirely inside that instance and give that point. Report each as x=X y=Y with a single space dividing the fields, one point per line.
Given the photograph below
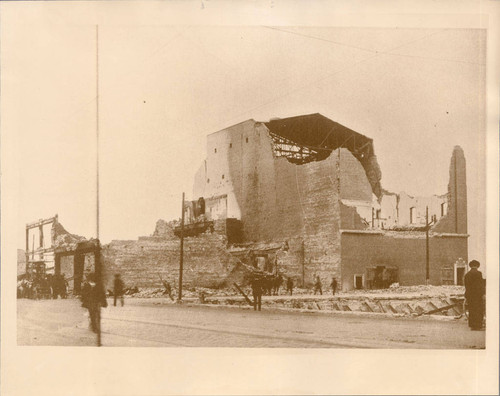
x=177 y=185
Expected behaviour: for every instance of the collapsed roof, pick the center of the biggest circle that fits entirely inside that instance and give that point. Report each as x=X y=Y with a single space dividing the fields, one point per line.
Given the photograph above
x=313 y=137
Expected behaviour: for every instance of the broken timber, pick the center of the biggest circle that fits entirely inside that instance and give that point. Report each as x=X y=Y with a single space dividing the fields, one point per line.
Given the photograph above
x=433 y=311
x=244 y=295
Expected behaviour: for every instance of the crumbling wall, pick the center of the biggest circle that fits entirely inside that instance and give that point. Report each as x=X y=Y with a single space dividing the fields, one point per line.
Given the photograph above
x=456 y=218
x=278 y=200
x=164 y=229
x=350 y=218
x=373 y=173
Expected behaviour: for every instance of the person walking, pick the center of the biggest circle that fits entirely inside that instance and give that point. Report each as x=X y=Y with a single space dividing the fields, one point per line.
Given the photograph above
x=168 y=289
x=317 y=285
x=93 y=298
x=257 y=293
x=333 y=286
x=475 y=295
x=118 y=289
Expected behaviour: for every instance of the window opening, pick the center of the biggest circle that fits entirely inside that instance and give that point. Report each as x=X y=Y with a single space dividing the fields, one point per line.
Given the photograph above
x=412 y=215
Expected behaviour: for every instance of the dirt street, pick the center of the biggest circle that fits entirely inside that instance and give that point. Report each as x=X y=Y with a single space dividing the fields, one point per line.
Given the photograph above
x=143 y=322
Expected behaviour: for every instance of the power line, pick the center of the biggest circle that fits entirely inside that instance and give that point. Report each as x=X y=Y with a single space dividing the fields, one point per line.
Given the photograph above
x=372 y=50
x=321 y=39
x=330 y=75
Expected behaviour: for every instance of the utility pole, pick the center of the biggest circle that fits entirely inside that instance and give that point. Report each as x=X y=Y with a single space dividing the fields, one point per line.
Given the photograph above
x=303 y=258
x=97 y=251
x=427 y=269
x=27 y=254
x=181 y=259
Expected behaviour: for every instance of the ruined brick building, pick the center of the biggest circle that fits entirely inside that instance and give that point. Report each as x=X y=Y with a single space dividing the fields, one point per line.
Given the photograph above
x=315 y=186
x=302 y=196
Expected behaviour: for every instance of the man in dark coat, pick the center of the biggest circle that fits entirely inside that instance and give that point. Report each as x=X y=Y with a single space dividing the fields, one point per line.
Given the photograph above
x=474 y=295
x=118 y=289
x=257 y=293
x=334 y=286
x=93 y=298
x=317 y=285
x=168 y=289
x=289 y=285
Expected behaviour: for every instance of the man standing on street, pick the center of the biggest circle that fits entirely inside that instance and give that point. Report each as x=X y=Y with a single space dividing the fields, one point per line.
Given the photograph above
x=118 y=289
x=257 y=293
x=334 y=286
x=317 y=285
x=474 y=295
x=93 y=298
x=289 y=285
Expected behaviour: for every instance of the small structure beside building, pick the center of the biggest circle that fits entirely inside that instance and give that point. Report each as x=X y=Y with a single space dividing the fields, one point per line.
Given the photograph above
x=62 y=254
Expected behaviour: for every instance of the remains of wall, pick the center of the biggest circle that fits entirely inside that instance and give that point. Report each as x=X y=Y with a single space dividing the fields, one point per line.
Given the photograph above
x=140 y=262
x=278 y=200
x=456 y=217
x=403 y=250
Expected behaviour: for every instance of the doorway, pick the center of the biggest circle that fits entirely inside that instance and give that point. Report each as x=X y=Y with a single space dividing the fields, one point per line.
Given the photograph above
x=358 y=281
x=460 y=272
x=78 y=263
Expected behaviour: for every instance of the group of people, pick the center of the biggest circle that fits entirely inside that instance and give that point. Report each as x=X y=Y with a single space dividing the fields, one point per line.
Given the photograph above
x=93 y=296
x=258 y=288
x=43 y=286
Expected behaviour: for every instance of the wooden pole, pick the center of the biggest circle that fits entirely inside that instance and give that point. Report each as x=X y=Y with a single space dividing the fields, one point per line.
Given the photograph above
x=27 y=253
x=427 y=269
x=97 y=128
x=181 y=258
x=303 y=259
x=97 y=252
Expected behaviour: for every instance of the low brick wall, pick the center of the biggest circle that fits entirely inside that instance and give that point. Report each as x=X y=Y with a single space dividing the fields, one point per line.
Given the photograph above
x=206 y=262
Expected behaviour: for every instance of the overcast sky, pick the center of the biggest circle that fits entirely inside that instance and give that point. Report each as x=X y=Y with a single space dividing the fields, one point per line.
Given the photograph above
x=416 y=92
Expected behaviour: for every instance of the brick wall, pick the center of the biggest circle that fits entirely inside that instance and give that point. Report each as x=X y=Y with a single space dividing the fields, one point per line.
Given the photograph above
x=206 y=263
x=277 y=200
x=403 y=250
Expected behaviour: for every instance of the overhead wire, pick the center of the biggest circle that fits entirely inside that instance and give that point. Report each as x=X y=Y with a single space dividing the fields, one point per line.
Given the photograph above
x=372 y=50
x=326 y=77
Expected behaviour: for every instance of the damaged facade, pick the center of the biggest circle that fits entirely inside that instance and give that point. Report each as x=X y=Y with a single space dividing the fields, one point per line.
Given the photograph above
x=301 y=196
x=315 y=185
x=56 y=251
